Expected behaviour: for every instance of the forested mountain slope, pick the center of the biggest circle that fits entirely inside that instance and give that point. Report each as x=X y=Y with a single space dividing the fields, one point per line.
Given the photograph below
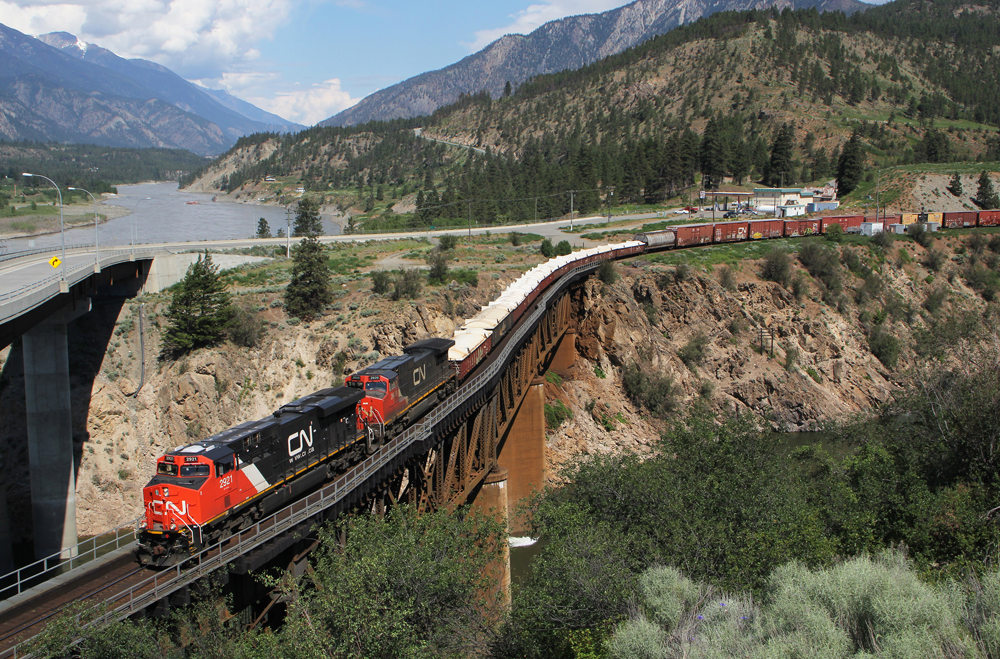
x=916 y=82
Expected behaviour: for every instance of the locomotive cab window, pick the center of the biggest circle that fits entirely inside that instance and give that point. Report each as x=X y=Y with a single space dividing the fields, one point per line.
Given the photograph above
x=166 y=469
x=224 y=466
x=375 y=389
x=194 y=471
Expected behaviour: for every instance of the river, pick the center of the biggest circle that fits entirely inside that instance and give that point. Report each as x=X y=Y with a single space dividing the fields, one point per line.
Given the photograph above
x=162 y=213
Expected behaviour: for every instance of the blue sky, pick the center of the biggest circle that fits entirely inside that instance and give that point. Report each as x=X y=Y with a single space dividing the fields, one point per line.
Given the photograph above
x=304 y=60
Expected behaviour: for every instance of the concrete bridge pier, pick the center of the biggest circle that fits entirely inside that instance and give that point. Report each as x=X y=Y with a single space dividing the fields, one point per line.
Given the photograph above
x=565 y=355
x=523 y=451
x=50 y=432
x=6 y=550
x=492 y=500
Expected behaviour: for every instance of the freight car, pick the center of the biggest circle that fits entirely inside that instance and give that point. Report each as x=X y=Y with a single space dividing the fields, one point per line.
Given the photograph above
x=205 y=491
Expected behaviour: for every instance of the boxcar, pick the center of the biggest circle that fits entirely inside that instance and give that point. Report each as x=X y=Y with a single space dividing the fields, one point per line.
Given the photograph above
x=694 y=234
x=989 y=218
x=730 y=232
x=795 y=228
x=936 y=217
x=847 y=223
x=956 y=219
x=908 y=218
x=762 y=229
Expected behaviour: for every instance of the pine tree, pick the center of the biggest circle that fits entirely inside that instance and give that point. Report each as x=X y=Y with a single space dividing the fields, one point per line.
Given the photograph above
x=199 y=311
x=307 y=220
x=955 y=187
x=263 y=230
x=851 y=166
x=779 y=169
x=309 y=290
x=986 y=196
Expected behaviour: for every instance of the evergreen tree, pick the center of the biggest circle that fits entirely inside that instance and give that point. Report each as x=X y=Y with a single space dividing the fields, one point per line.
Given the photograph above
x=851 y=166
x=309 y=290
x=779 y=169
x=955 y=187
x=307 y=220
x=986 y=196
x=263 y=230
x=199 y=311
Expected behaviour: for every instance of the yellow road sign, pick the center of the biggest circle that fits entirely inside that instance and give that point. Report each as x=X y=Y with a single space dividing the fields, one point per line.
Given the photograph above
x=55 y=261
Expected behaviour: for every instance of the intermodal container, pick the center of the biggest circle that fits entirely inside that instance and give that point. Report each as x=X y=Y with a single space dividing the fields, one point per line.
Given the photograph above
x=989 y=218
x=908 y=218
x=846 y=222
x=795 y=228
x=730 y=232
x=694 y=234
x=761 y=229
x=956 y=219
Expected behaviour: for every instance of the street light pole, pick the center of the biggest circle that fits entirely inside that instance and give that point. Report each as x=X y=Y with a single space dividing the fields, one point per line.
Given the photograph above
x=62 y=226
x=288 y=232
x=97 y=249
x=135 y=209
x=611 y=193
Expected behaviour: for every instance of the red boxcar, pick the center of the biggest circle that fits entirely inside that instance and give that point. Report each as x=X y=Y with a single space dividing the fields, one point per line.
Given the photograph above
x=730 y=232
x=795 y=228
x=761 y=229
x=958 y=219
x=989 y=218
x=694 y=234
x=846 y=222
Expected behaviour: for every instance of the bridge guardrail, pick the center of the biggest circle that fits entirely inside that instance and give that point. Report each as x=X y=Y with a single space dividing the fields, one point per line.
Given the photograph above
x=163 y=583
x=8 y=297
x=10 y=256
x=20 y=580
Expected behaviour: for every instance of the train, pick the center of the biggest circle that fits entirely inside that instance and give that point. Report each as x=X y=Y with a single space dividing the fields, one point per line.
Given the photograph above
x=212 y=488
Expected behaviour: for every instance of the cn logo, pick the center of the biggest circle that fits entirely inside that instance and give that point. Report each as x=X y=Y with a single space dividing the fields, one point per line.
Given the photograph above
x=419 y=374
x=299 y=441
x=159 y=508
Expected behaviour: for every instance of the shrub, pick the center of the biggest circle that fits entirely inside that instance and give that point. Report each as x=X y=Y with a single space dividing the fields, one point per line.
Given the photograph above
x=799 y=286
x=607 y=272
x=652 y=390
x=652 y=314
x=920 y=235
x=246 y=328
x=694 y=350
x=447 y=242
x=976 y=243
x=883 y=240
x=726 y=278
x=515 y=238
x=823 y=263
x=682 y=272
x=438 y=263
x=564 y=248
x=884 y=346
x=556 y=413
x=994 y=243
x=834 y=233
x=546 y=249
x=933 y=260
x=406 y=285
x=811 y=372
x=381 y=281
x=935 y=298
x=777 y=266
x=599 y=372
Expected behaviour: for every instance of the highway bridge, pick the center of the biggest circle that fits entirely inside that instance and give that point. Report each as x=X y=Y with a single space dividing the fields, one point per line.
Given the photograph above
x=493 y=424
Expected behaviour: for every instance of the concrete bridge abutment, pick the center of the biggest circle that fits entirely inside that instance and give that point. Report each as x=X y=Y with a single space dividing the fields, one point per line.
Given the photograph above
x=565 y=354
x=492 y=501
x=50 y=432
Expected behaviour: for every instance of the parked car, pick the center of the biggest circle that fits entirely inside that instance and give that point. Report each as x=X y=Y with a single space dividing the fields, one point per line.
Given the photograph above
x=730 y=214
x=681 y=211
x=691 y=209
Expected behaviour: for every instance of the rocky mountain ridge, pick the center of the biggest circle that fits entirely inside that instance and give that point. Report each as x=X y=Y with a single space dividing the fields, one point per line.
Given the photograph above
x=568 y=43
x=53 y=89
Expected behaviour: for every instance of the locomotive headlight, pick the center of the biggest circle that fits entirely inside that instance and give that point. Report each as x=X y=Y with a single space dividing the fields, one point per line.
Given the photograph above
x=166 y=492
x=173 y=526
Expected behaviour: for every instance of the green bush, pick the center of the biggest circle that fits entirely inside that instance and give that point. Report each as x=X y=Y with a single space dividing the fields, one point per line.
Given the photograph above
x=692 y=352
x=447 y=242
x=777 y=266
x=407 y=285
x=546 y=249
x=556 y=413
x=652 y=390
x=823 y=263
x=607 y=272
x=564 y=248
x=245 y=328
x=933 y=260
x=884 y=346
x=726 y=278
x=381 y=281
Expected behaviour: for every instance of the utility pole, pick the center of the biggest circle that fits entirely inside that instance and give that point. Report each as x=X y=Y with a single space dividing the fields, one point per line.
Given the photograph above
x=571 y=194
x=288 y=232
x=470 y=218
x=878 y=174
x=611 y=193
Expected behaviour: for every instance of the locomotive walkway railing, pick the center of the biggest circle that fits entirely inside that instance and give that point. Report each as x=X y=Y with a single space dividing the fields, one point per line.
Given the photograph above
x=164 y=583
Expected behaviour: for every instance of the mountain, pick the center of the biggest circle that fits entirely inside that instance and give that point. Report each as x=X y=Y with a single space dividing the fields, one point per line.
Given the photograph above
x=567 y=43
x=67 y=91
x=235 y=117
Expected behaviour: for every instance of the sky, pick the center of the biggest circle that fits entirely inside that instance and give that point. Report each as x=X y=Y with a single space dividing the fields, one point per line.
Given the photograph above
x=304 y=60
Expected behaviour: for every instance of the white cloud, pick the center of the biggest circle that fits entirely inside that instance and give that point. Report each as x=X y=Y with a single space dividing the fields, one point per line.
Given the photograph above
x=534 y=16
x=307 y=106
x=194 y=38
